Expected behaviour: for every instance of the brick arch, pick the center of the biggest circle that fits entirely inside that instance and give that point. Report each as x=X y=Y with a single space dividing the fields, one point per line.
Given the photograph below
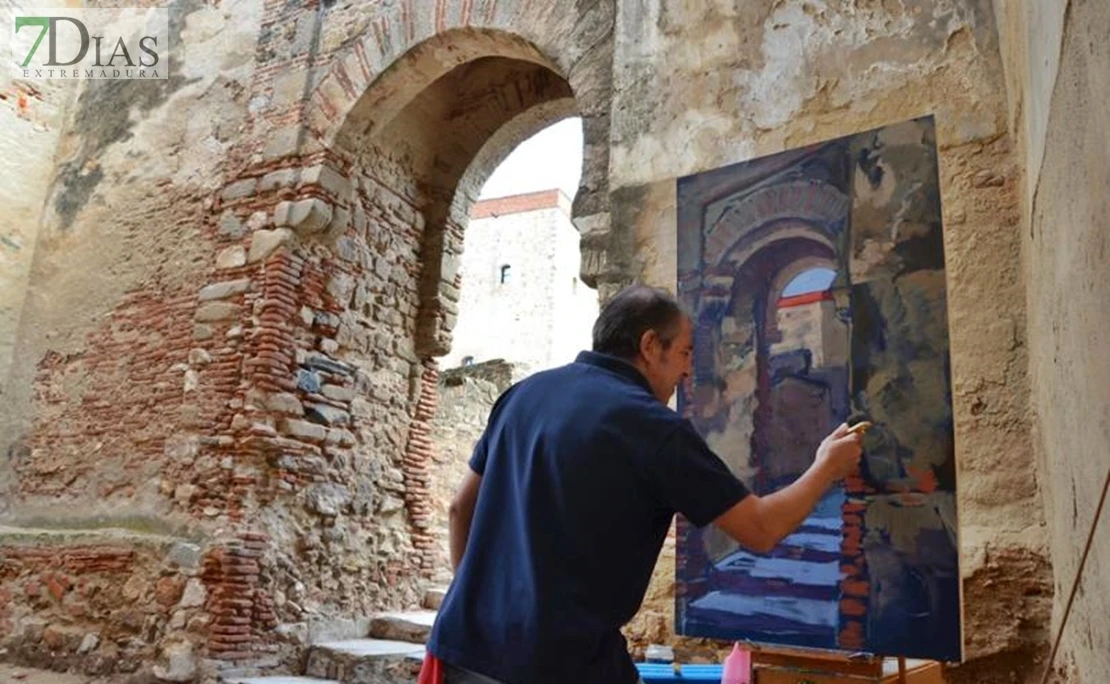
x=430 y=115
x=409 y=46
x=418 y=44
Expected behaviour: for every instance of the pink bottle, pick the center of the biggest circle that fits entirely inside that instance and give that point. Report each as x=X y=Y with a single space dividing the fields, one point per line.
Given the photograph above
x=738 y=666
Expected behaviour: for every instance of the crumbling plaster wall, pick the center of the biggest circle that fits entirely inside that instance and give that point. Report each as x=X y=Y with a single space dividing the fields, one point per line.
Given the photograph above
x=31 y=117
x=698 y=87
x=1058 y=80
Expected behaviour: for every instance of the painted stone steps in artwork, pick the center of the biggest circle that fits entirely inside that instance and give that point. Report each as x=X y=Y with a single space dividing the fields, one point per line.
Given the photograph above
x=795 y=589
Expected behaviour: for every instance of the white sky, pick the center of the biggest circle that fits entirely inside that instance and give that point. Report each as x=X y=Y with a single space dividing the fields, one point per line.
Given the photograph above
x=550 y=159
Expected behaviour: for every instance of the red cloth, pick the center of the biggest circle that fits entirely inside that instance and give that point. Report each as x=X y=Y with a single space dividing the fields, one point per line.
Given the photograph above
x=431 y=672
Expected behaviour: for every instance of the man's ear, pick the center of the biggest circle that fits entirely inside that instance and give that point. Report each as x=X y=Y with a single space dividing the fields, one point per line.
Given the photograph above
x=648 y=341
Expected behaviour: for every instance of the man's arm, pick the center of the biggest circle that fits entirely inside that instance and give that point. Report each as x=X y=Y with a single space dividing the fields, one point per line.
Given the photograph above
x=761 y=522
x=460 y=513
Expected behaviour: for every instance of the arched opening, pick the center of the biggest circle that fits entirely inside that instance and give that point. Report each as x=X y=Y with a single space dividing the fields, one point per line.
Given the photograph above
x=415 y=173
x=520 y=310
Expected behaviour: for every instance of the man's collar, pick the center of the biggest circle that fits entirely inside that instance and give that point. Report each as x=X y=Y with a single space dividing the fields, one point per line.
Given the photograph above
x=616 y=365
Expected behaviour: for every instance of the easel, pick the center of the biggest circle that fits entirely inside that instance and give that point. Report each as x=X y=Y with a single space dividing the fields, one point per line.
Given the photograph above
x=798 y=666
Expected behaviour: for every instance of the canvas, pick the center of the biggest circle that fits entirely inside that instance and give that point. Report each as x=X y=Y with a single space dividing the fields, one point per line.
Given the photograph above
x=816 y=281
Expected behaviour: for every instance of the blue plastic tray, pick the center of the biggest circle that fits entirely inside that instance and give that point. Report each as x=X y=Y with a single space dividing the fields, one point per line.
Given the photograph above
x=658 y=673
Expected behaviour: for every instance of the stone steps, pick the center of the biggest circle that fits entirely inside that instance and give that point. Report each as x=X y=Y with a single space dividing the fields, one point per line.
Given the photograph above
x=366 y=661
x=433 y=598
x=392 y=655
x=411 y=626
x=280 y=679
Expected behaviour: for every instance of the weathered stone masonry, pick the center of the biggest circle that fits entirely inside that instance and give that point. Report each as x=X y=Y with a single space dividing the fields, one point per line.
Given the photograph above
x=274 y=375
x=242 y=277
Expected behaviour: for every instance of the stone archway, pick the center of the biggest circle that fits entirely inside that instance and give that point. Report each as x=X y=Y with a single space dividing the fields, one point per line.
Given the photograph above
x=357 y=264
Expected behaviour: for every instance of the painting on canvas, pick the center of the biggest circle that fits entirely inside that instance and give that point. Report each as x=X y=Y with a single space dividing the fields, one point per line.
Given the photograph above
x=816 y=280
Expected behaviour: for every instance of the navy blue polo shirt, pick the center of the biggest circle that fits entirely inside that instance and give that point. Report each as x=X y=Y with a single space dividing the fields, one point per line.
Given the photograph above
x=582 y=472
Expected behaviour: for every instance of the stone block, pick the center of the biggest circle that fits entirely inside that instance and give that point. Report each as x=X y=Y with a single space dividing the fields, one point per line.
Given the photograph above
x=285 y=402
x=282 y=212
x=326 y=415
x=413 y=627
x=321 y=362
x=230 y=225
x=347 y=249
x=232 y=257
x=257 y=220
x=308 y=381
x=194 y=594
x=266 y=242
x=182 y=554
x=282 y=178
x=337 y=393
x=216 y=311
x=239 y=189
x=228 y=288
x=341 y=286
x=281 y=143
x=302 y=429
x=180 y=665
x=340 y=221
x=327 y=178
x=341 y=437
x=309 y=216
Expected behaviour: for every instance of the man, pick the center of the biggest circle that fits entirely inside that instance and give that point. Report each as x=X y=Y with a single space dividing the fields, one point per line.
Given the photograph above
x=555 y=532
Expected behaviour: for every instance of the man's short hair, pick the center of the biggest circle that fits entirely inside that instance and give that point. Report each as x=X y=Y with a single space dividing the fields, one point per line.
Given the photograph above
x=632 y=312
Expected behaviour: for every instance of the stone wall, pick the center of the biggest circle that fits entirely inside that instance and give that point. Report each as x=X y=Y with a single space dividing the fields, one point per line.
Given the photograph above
x=242 y=276
x=102 y=602
x=697 y=90
x=1058 y=78
x=242 y=279
x=466 y=396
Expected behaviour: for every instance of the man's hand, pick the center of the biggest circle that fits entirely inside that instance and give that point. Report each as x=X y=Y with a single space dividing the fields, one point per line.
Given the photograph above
x=839 y=453
x=761 y=522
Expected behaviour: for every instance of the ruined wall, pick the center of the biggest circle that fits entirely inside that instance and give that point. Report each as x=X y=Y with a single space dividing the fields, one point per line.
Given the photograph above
x=243 y=278
x=1058 y=76
x=466 y=396
x=696 y=90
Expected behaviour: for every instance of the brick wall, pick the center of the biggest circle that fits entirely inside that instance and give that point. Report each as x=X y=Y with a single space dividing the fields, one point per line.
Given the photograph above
x=97 y=603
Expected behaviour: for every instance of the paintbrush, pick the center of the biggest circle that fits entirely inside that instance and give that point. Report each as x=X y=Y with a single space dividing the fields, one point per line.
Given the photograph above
x=861 y=427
